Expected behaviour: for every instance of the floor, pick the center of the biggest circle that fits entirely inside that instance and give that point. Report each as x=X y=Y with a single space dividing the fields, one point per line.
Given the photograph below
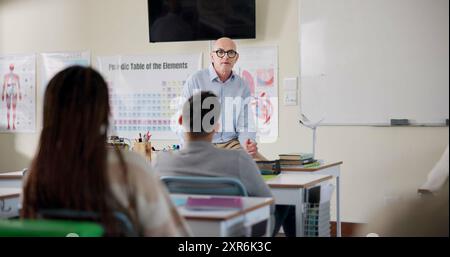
x=347 y=229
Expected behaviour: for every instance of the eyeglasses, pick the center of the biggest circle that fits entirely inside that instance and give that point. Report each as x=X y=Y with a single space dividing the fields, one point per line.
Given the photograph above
x=230 y=53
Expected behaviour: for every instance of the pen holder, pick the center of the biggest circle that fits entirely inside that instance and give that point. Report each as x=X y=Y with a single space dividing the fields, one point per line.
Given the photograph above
x=144 y=149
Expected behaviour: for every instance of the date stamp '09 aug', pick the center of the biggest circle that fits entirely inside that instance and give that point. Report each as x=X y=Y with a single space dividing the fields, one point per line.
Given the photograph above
x=226 y=247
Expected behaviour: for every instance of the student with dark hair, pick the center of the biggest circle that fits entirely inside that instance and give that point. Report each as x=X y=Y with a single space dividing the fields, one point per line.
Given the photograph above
x=199 y=157
x=73 y=169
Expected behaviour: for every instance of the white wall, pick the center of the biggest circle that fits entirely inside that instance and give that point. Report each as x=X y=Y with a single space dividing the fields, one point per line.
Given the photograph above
x=378 y=162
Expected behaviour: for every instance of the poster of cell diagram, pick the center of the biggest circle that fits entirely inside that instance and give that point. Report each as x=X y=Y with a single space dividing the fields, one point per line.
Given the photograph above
x=258 y=66
x=145 y=92
x=53 y=63
x=18 y=94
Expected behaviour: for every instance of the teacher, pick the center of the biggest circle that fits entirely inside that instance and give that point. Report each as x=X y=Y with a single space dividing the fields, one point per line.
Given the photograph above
x=237 y=128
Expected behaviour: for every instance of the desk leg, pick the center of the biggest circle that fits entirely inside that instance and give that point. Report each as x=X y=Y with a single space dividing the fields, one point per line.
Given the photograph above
x=338 y=211
x=269 y=227
x=299 y=214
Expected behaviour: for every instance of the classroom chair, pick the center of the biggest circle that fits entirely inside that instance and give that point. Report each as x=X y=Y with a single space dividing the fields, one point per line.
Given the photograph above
x=198 y=185
x=123 y=222
x=49 y=228
x=212 y=186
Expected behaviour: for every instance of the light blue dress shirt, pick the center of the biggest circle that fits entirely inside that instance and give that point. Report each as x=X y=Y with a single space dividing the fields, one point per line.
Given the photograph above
x=236 y=120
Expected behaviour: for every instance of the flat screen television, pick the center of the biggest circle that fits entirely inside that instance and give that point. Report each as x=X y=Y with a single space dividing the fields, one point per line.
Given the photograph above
x=193 y=20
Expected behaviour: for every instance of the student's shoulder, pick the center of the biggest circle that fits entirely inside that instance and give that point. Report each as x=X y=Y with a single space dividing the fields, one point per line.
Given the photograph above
x=234 y=154
x=128 y=156
x=167 y=156
x=134 y=161
x=244 y=157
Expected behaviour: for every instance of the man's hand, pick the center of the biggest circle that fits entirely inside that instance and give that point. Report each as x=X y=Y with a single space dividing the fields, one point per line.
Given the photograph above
x=251 y=147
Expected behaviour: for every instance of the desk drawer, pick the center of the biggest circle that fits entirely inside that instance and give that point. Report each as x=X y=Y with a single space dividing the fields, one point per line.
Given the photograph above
x=9 y=208
x=10 y=183
x=257 y=216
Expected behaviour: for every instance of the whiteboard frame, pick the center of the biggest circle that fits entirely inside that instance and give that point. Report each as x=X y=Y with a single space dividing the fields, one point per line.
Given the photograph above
x=413 y=123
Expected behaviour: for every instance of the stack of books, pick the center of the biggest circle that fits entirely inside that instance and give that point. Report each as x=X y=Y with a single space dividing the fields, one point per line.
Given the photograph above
x=305 y=160
x=269 y=167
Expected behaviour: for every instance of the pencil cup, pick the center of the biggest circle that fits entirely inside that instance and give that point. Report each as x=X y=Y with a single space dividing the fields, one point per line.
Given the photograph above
x=144 y=149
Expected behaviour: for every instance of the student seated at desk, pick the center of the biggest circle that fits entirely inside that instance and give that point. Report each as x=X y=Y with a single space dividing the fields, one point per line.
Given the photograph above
x=74 y=170
x=418 y=217
x=438 y=176
x=199 y=157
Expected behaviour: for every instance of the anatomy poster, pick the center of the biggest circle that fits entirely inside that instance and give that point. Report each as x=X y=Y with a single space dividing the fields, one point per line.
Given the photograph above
x=53 y=63
x=145 y=92
x=18 y=94
x=259 y=67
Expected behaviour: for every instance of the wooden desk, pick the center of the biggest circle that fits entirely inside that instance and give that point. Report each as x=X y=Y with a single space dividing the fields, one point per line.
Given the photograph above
x=11 y=179
x=332 y=168
x=289 y=189
x=9 y=202
x=224 y=223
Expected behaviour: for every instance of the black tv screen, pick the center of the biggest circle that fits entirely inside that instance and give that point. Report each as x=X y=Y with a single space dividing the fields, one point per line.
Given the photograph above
x=192 y=20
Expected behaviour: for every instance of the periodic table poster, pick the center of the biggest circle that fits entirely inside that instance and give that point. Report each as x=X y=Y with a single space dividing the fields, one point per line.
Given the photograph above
x=145 y=92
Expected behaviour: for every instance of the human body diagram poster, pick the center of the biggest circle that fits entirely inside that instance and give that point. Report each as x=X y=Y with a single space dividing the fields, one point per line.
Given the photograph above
x=259 y=67
x=18 y=94
x=145 y=92
x=53 y=63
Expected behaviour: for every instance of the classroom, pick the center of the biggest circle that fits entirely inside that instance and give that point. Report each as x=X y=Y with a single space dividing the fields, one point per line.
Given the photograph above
x=343 y=86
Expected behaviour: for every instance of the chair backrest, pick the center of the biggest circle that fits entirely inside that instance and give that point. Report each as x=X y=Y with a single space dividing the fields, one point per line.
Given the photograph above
x=49 y=228
x=198 y=185
x=125 y=225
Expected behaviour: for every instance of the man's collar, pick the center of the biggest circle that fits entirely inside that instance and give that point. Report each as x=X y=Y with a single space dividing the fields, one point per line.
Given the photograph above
x=213 y=74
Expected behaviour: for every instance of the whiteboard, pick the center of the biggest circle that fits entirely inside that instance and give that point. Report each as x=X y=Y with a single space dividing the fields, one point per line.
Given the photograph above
x=364 y=62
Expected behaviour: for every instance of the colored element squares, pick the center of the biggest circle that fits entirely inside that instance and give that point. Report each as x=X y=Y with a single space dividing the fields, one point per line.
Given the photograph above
x=146 y=111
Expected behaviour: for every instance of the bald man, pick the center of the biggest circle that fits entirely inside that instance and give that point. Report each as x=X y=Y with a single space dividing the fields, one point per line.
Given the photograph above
x=237 y=126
